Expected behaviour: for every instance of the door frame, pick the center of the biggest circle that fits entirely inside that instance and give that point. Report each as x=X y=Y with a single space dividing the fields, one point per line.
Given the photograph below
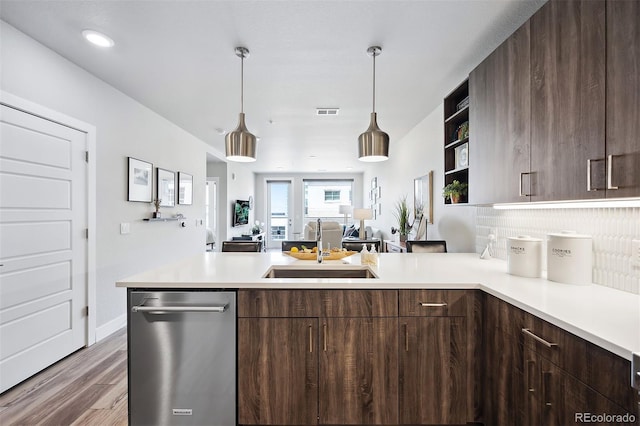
x=267 y=206
x=89 y=130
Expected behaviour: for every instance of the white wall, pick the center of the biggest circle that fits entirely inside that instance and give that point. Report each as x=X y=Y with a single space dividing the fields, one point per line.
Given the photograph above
x=124 y=128
x=420 y=151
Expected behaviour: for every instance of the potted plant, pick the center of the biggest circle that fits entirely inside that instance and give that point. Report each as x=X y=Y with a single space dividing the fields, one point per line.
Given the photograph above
x=402 y=215
x=156 y=202
x=454 y=191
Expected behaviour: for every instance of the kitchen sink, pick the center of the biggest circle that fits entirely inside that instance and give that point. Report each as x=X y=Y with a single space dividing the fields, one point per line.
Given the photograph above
x=331 y=272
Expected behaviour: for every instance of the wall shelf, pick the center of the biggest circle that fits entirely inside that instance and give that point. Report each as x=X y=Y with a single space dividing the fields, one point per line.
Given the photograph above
x=456 y=120
x=162 y=219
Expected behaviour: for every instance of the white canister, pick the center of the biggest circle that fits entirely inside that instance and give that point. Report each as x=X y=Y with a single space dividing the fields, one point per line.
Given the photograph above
x=569 y=258
x=524 y=256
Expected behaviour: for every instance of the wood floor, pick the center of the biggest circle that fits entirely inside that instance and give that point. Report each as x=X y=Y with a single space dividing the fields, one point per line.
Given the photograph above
x=88 y=387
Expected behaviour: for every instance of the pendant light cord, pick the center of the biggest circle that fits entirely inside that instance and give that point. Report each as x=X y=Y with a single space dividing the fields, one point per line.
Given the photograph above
x=374 y=82
x=242 y=83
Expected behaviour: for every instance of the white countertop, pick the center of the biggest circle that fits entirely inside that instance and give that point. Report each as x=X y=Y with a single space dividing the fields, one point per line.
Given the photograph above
x=604 y=316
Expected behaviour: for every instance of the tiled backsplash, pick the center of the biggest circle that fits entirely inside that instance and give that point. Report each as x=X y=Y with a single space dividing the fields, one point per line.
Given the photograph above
x=612 y=230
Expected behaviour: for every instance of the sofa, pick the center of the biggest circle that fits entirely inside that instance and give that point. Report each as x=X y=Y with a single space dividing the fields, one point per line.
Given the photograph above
x=331 y=233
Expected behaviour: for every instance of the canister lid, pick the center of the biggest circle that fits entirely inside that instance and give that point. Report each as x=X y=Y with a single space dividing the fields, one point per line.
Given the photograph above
x=524 y=238
x=569 y=234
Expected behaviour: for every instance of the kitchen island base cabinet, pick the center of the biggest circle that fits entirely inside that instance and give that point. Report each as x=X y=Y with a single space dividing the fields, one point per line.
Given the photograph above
x=433 y=370
x=278 y=377
x=358 y=361
x=382 y=357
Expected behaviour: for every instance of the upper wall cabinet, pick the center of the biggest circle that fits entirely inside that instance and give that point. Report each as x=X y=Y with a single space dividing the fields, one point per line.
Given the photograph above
x=567 y=98
x=622 y=163
x=499 y=92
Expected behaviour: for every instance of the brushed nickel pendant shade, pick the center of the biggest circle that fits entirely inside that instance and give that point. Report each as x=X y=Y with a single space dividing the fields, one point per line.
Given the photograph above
x=240 y=144
x=373 y=144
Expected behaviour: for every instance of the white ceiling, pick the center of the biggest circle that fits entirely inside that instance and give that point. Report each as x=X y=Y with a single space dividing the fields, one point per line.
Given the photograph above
x=177 y=57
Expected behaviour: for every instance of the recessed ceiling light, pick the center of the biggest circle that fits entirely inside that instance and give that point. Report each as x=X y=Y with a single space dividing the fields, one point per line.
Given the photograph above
x=97 y=38
x=220 y=130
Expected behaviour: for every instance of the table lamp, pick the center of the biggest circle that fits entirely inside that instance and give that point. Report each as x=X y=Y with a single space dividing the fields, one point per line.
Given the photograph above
x=362 y=215
x=345 y=209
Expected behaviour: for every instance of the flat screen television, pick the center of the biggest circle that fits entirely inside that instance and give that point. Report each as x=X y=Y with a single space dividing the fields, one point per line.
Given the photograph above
x=240 y=213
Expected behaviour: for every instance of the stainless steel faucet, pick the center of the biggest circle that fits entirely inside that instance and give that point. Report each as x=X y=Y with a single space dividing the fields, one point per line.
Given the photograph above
x=319 y=239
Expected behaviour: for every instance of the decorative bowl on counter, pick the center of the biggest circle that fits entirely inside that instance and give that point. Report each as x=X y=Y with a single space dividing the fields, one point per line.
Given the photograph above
x=333 y=255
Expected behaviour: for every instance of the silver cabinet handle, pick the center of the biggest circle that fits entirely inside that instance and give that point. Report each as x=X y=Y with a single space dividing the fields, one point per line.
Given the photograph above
x=610 y=172
x=589 y=189
x=433 y=305
x=172 y=309
x=527 y=332
x=520 y=192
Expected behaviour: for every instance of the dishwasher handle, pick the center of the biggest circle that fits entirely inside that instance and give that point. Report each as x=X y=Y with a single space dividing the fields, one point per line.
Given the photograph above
x=174 y=309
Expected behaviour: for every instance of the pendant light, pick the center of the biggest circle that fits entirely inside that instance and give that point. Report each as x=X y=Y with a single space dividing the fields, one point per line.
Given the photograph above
x=240 y=144
x=373 y=144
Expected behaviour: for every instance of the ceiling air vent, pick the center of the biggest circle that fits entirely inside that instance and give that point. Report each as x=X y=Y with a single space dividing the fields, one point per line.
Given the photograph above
x=327 y=111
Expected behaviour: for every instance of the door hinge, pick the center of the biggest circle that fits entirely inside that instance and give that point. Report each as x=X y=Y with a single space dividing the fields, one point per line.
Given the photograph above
x=86 y=233
x=86 y=311
x=86 y=156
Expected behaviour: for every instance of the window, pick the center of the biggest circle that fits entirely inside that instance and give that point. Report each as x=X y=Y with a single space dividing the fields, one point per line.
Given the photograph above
x=331 y=195
x=322 y=198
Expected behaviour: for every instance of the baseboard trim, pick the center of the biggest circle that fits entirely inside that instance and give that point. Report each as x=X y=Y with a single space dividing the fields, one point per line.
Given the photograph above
x=105 y=330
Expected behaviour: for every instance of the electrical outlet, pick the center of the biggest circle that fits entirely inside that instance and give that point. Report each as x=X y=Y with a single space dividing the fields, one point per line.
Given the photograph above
x=635 y=253
x=125 y=228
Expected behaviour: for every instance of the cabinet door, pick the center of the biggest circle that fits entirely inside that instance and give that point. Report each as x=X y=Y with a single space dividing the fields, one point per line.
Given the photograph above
x=358 y=371
x=623 y=97
x=500 y=114
x=503 y=362
x=568 y=97
x=433 y=369
x=278 y=371
x=554 y=397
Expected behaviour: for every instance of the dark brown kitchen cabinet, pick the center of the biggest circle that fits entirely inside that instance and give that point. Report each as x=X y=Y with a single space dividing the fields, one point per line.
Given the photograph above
x=278 y=378
x=568 y=42
x=499 y=92
x=622 y=161
x=437 y=356
x=359 y=365
x=503 y=371
x=327 y=357
x=544 y=375
x=554 y=397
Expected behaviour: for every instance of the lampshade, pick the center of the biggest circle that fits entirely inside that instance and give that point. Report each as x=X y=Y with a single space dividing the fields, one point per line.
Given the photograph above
x=345 y=209
x=362 y=214
x=373 y=144
x=240 y=144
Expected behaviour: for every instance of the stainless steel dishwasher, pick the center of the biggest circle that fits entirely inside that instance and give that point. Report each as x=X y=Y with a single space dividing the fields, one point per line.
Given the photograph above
x=182 y=357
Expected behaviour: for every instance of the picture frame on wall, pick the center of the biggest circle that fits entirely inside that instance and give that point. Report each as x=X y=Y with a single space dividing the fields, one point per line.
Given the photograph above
x=185 y=188
x=166 y=187
x=423 y=196
x=140 y=180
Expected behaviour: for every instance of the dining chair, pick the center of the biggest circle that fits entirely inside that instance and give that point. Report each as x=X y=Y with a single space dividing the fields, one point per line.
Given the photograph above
x=426 y=246
x=242 y=246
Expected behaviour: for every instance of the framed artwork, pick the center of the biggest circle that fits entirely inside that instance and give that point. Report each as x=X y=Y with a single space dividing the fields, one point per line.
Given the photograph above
x=423 y=196
x=374 y=182
x=140 y=181
x=185 y=188
x=166 y=187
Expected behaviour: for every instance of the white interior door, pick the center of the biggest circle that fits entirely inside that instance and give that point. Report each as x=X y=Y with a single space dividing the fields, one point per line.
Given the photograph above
x=43 y=248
